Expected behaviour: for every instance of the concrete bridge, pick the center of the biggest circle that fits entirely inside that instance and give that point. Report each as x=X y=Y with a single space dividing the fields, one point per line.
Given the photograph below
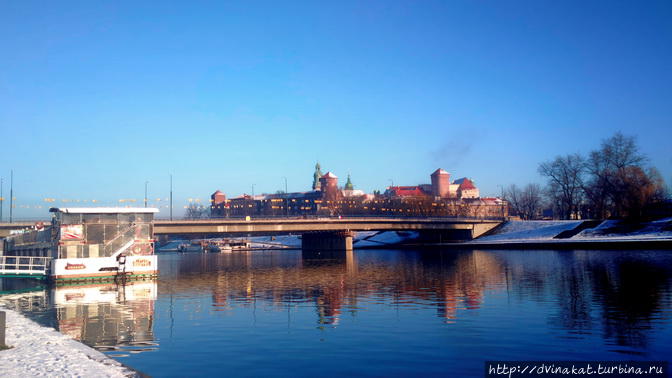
x=328 y=233
x=318 y=233
x=7 y=228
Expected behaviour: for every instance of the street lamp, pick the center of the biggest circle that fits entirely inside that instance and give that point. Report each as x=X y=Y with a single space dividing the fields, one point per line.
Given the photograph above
x=11 y=194
x=171 y=197
x=146 y=182
x=286 y=198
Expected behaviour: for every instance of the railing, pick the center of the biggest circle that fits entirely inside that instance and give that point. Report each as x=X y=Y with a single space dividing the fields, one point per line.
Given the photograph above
x=120 y=241
x=24 y=265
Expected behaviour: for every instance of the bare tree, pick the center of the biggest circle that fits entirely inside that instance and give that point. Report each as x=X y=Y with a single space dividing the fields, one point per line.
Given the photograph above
x=195 y=211
x=617 y=178
x=525 y=202
x=565 y=183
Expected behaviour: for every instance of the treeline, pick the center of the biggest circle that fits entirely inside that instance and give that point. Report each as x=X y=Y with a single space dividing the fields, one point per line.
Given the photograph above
x=612 y=181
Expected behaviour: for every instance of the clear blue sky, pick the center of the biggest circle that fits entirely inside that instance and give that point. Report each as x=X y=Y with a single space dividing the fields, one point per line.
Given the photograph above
x=98 y=97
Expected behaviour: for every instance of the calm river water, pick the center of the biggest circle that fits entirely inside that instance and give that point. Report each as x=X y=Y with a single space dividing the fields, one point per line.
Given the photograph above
x=371 y=312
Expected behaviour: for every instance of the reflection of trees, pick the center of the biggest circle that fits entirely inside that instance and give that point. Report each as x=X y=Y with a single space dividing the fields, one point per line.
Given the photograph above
x=621 y=289
x=631 y=296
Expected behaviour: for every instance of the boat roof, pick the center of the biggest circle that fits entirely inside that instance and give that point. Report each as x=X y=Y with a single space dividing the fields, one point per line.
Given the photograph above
x=103 y=210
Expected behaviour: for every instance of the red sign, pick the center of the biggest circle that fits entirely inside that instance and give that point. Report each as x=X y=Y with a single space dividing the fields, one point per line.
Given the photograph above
x=69 y=266
x=72 y=232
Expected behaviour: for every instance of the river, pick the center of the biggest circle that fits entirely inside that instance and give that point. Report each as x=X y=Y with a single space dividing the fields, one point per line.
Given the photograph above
x=371 y=312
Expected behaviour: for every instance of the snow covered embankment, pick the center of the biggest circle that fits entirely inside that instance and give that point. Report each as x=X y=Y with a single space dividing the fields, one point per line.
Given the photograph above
x=608 y=231
x=43 y=351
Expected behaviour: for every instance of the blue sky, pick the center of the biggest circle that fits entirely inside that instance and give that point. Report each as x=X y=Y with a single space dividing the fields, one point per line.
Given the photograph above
x=98 y=97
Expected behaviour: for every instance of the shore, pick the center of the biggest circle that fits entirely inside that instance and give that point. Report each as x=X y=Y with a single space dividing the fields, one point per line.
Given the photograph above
x=42 y=351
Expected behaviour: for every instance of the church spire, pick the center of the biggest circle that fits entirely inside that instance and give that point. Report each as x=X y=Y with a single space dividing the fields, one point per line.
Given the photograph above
x=348 y=185
x=316 y=177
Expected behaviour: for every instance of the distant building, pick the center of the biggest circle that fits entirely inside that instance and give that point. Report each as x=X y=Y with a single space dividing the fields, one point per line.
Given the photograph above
x=466 y=188
x=218 y=204
x=440 y=183
x=440 y=198
x=329 y=187
x=440 y=187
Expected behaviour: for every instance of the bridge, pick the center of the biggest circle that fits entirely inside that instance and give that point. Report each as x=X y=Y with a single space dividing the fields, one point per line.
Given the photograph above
x=327 y=233
x=7 y=228
x=318 y=233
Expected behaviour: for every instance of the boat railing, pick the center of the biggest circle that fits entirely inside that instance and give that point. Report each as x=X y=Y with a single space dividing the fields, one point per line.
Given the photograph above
x=24 y=265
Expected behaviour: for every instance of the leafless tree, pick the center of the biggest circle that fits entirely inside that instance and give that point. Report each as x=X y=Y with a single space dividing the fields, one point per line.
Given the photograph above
x=619 y=184
x=195 y=211
x=565 y=183
x=525 y=202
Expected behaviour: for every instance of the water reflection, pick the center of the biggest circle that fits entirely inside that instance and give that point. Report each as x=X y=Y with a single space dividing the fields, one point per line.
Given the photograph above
x=456 y=307
x=337 y=280
x=108 y=317
x=617 y=292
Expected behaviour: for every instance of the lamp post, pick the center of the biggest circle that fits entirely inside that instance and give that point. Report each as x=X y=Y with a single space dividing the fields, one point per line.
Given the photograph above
x=146 y=182
x=171 y=197
x=286 y=198
x=2 y=200
x=11 y=194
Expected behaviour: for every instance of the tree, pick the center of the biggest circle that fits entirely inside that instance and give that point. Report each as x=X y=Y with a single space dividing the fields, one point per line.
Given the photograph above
x=526 y=202
x=195 y=211
x=619 y=184
x=565 y=183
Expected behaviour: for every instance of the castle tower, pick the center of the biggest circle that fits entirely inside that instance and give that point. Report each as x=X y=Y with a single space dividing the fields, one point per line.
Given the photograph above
x=217 y=203
x=316 y=177
x=440 y=183
x=329 y=186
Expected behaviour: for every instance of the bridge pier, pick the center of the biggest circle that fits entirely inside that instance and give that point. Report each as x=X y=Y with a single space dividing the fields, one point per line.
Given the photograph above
x=327 y=241
x=162 y=240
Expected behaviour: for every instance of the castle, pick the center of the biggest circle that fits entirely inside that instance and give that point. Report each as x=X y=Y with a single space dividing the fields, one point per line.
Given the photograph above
x=440 y=198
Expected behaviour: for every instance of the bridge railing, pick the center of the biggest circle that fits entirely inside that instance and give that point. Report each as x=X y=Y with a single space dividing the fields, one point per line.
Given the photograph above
x=32 y=265
x=343 y=217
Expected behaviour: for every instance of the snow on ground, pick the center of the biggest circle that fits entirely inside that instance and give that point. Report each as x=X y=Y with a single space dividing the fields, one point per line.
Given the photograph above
x=529 y=230
x=609 y=230
x=42 y=351
x=280 y=240
x=613 y=229
x=373 y=238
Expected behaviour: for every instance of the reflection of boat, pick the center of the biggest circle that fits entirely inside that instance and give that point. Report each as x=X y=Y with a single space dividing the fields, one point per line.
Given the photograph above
x=108 y=316
x=109 y=293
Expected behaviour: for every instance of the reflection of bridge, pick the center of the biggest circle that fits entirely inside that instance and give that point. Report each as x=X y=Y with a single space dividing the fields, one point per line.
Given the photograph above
x=329 y=233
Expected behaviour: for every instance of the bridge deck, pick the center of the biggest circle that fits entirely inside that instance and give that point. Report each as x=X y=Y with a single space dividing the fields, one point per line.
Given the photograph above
x=283 y=225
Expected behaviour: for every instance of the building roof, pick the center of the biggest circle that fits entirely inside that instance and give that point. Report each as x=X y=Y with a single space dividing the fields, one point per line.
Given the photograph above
x=329 y=175
x=465 y=183
x=406 y=191
x=102 y=210
x=440 y=171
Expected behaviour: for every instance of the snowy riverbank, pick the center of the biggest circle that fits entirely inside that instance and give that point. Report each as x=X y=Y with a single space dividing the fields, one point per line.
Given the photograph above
x=43 y=351
x=605 y=231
